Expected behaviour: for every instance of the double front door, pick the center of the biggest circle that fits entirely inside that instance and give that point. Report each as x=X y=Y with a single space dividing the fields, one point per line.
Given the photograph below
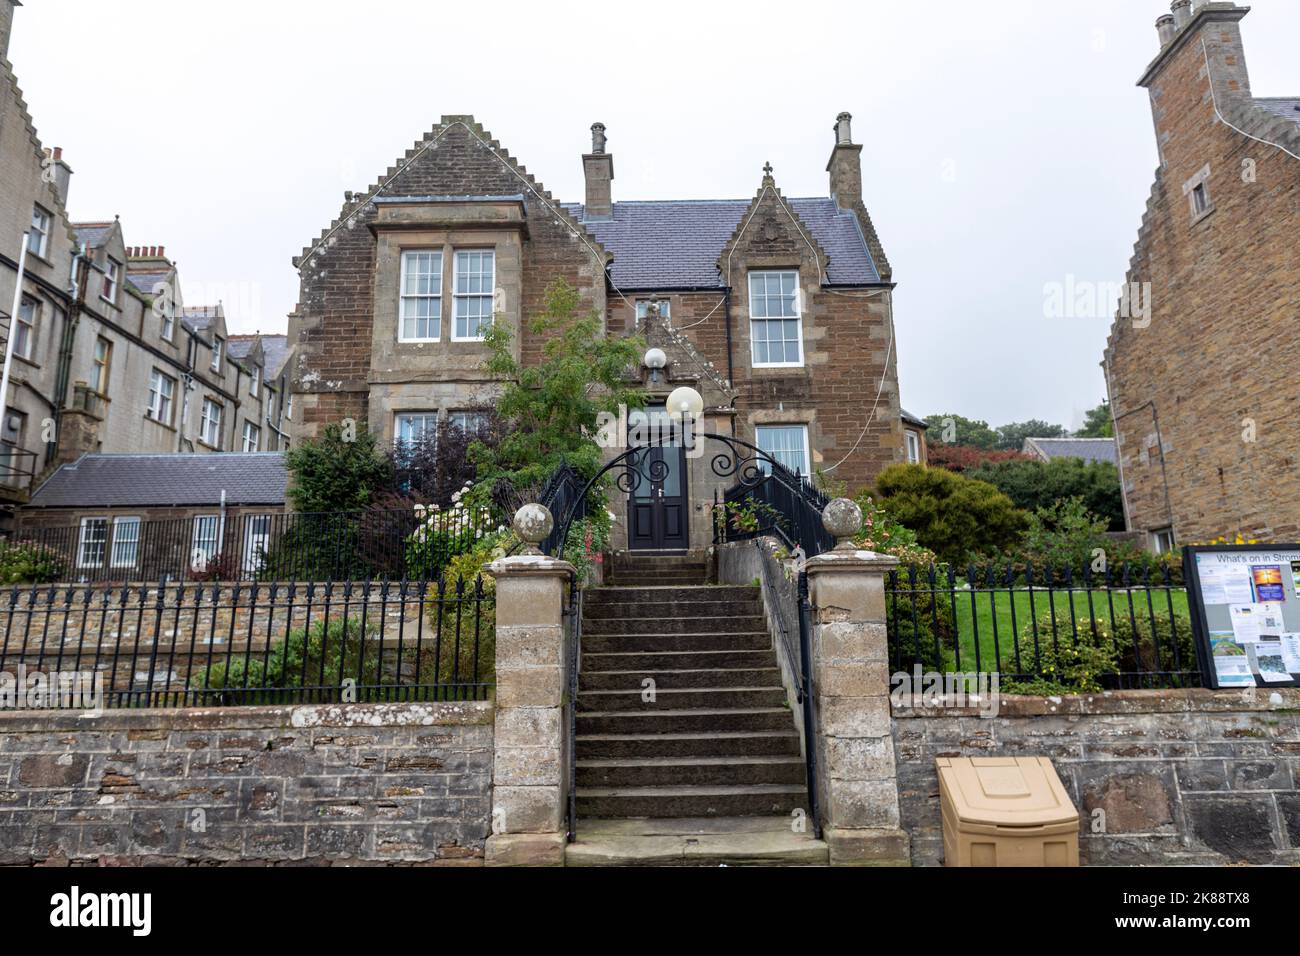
x=658 y=502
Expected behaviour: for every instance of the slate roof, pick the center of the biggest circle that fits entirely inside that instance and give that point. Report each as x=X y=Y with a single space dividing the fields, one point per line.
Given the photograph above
x=1287 y=107
x=275 y=352
x=92 y=234
x=111 y=481
x=1089 y=449
x=199 y=317
x=146 y=281
x=675 y=244
x=911 y=419
x=240 y=346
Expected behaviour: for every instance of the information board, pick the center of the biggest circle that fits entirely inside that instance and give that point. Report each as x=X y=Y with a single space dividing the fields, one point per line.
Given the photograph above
x=1245 y=606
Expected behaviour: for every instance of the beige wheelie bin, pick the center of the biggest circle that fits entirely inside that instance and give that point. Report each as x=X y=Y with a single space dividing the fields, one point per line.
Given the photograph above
x=1006 y=811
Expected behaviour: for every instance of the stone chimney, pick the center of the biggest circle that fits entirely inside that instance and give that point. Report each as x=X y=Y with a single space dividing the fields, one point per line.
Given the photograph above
x=58 y=173
x=598 y=169
x=845 y=165
x=7 y=24
x=1217 y=26
x=1166 y=28
x=1182 y=11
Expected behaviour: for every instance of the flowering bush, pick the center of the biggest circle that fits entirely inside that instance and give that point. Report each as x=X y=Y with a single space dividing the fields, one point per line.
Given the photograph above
x=445 y=533
x=882 y=533
x=28 y=562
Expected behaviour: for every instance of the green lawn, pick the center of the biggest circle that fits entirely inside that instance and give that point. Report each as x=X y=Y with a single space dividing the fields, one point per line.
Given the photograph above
x=992 y=619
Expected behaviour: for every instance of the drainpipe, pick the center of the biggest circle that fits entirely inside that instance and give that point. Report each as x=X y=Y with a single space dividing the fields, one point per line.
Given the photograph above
x=726 y=318
x=221 y=525
x=13 y=322
x=67 y=342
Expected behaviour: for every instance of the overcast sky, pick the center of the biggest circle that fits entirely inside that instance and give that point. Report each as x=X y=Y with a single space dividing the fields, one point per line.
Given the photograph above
x=1006 y=145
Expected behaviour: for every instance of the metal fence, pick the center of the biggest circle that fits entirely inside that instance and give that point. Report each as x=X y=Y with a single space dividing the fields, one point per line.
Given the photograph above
x=1044 y=630
x=246 y=546
x=210 y=645
x=783 y=504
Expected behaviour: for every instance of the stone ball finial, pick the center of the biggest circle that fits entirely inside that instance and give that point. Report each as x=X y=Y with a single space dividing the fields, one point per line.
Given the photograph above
x=843 y=519
x=533 y=523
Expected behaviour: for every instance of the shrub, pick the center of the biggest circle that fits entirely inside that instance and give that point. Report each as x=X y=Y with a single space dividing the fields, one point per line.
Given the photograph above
x=1034 y=484
x=918 y=613
x=882 y=533
x=951 y=515
x=962 y=458
x=339 y=471
x=27 y=562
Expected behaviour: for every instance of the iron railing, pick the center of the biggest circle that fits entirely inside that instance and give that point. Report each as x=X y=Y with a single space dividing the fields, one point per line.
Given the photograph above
x=572 y=670
x=1044 y=629
x=252 y=546
x=783 y=503
x=17 y=467
x=187 y=645
x=563 y=497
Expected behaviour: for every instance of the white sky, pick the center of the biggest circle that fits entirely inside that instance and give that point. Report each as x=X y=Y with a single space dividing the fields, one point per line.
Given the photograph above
x=1006 y=145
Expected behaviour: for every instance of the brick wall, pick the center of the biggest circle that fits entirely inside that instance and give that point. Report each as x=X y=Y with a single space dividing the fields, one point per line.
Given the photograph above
x=1205 y=394
x=387 y=784
x=1182 y=777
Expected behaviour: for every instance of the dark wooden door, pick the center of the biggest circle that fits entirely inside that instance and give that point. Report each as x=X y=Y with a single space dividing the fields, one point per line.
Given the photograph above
x=658 y=505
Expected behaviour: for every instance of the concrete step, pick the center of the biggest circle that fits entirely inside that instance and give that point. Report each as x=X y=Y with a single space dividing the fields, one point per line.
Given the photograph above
x=658 y=567
x=721 y=841
x=702 y=698
x=657 y=580
x=701 y=801
x=671 y=625
x=689 y=608
x=651 y=643
x=678 y=679
x=701 y=720
x=688 y=771
x=754 y=743
x=593 y=663
x=618 y=593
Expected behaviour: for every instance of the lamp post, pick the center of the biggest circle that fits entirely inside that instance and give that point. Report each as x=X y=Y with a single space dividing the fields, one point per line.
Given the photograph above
x=686 y=405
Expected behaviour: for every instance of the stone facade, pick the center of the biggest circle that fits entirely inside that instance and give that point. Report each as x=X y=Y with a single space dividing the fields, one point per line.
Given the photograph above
x=1159 y=777
x=397 y=784
x=1203 y=386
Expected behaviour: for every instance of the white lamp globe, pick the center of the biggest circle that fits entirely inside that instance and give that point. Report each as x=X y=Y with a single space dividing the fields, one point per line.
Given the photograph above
x=685 y=401
x=655 y=359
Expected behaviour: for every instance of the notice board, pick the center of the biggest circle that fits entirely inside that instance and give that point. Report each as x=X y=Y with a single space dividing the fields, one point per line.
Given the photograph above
x=1245 y=607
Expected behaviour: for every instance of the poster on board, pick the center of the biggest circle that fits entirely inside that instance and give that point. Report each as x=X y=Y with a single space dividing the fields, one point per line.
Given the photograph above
x=1245 y=607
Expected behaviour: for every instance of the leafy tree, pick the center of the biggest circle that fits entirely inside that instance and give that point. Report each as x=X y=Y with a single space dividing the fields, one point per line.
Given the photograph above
x=952 y=515
x=956 y=430
x=1097 y=422
x=339 y=471
x=552 y=409
x=441 y=461
x=962 y=458
x=1034 y=484
x=1012 y=437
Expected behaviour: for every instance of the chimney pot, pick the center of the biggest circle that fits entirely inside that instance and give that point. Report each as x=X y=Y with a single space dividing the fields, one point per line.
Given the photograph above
x=598 y=171
x=162 y=252
x=598 y=137
x=1182 y=10
x=843 y=132
x=1166 y=28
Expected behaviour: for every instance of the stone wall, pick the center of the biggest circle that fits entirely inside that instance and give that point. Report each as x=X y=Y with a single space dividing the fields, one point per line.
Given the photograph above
x=374 y=784
x=1180 y=777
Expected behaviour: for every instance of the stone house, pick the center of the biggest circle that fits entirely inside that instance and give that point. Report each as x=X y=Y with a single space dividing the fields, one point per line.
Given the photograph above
x=107 y=358
x=1203 y=386
x=778 y=311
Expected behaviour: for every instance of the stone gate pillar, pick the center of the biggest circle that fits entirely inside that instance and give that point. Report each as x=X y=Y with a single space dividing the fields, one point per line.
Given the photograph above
x=857 y=784
x=528 y=779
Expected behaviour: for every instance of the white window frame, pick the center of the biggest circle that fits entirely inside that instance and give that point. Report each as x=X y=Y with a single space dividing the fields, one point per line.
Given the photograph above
x=255 y=380
x=158 y=401
x=104 y=370
x=806 y=471
x=197 y=542
x=117 y=558
x=665 y=310
x=38 y=240
x=403 y=297
x=797 y=318
x=430 y=424
x=913 y=446
x=288 y=405
x=112 y=278
x=208 y=423
x=1159 y=535
x=459 y=420
x=25 y=345
x=256 y=436
x=218 y=352
x=82 y=541
x=458 y=297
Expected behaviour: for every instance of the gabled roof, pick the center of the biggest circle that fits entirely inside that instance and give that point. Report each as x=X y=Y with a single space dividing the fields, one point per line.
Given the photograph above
x=1089 y=449
x=275 y=352
x=114 y=481
x=911 y=419
x=199 y=318
x=147 y=281
x=675 y=244
x=1287 y=107
x=93 y=234
x=241 y=346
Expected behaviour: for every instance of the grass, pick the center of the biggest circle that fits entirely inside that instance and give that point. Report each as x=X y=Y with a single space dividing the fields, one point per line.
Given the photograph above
x=999 y=643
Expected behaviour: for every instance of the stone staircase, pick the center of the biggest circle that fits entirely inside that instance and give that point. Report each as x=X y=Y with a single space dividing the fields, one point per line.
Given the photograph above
x=716 y=739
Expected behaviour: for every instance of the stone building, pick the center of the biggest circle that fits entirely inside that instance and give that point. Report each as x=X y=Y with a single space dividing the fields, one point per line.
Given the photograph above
x=1204 y=385
x=107 y=358
x=777 y=310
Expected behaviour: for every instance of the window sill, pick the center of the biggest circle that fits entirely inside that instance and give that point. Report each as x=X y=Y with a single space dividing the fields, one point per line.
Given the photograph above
x=159 y=422
x=776 y=365
x=419 y=341
x=200 y=441
x=107 y=300
x=1205 y=214
x=39 y=258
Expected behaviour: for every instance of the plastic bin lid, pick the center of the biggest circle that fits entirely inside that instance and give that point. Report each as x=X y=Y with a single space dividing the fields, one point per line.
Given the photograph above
x=1005 y=791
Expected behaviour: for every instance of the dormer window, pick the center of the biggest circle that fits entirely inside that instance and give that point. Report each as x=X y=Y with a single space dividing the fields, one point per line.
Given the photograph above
x=112 y=272
x=255 y=381
x=38 y=240
x=475 y=283
x=218 y=349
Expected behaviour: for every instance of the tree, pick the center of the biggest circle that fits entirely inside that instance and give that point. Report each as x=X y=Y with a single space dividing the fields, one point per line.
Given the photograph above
x=342 y=470
x=1097 y=422
x=962 y=458
x=1035 y=485
x=552 y=409
x=1012 y=437
x=956 y=430
x=952 y=515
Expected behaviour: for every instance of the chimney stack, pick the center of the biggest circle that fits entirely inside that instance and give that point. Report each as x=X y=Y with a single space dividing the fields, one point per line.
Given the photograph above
x=56 y=172
x=845 y=165
x=1166 y=28
x=7 y=24
x=1182 y=10
x=598 y=170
